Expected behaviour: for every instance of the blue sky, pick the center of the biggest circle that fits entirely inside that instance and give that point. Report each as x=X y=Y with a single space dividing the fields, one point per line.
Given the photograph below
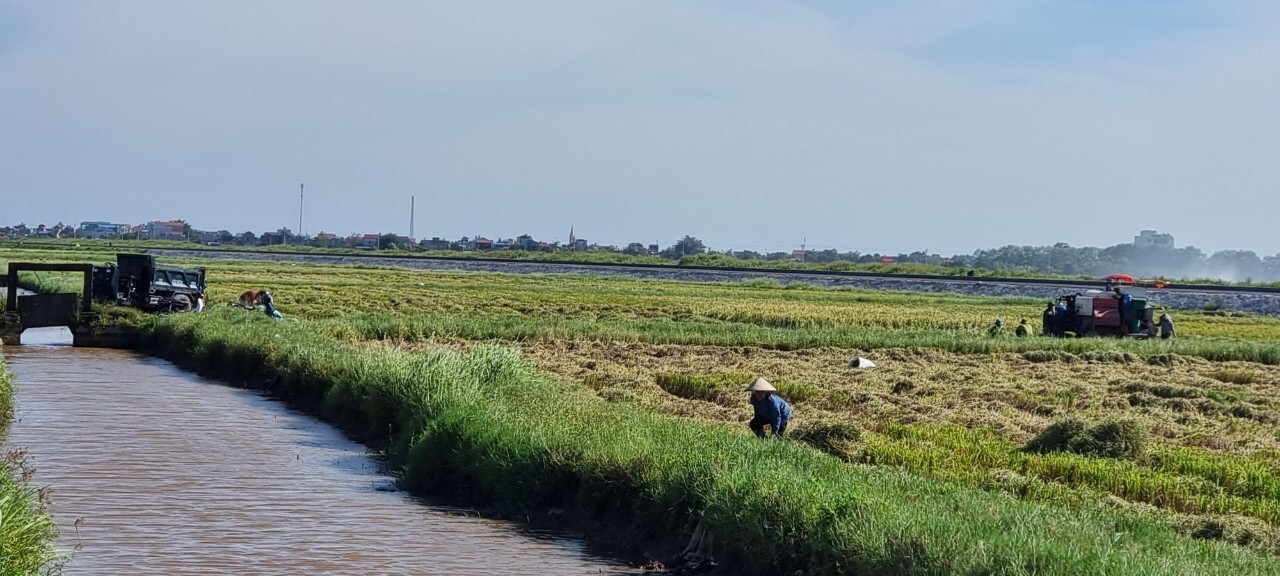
x=946 y=126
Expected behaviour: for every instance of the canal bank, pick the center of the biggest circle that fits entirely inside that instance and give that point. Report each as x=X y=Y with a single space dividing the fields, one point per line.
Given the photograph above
x=152 y=470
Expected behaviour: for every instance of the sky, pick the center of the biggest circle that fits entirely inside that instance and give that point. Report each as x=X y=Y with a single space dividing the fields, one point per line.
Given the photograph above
x=752 y=125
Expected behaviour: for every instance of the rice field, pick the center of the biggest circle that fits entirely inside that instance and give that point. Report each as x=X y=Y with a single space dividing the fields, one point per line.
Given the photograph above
x=948 y=406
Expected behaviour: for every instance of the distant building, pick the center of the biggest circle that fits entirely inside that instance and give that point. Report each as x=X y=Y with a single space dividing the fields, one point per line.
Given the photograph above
x=435 y=243
x=579 y=245
x=209 y=237
x=281 y=236
x=101 y=230
x=166 y=230
x=654 y=249
x=1153 y=238
x=483 y=243
x=798 y=255
x=525 y=242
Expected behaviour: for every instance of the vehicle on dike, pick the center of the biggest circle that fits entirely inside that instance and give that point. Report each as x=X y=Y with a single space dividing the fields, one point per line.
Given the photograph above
x=136 y=280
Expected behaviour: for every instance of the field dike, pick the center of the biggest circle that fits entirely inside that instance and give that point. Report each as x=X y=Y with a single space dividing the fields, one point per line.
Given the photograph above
x=486 y=427
x=27 y=531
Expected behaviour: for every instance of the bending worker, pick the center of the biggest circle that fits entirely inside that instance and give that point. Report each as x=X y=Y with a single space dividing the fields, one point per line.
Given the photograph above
x=249 y=299
x=269 y=304
x=769 y=408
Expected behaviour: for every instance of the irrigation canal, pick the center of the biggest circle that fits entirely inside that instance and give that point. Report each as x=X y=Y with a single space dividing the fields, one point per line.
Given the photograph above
x=153 y=470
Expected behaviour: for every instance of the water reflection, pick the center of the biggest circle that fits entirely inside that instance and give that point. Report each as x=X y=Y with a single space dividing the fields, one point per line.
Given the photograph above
x=156 y=471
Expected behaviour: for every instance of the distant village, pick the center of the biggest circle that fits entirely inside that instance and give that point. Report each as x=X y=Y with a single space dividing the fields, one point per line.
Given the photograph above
x=180 y=231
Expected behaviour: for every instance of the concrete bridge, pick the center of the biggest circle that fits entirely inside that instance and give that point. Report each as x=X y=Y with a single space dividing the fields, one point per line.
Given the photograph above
x=24 y=311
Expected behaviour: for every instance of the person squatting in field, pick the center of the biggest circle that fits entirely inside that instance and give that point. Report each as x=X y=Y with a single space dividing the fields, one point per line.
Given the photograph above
x=269 y=304
x=249 y=298
x=769 y=408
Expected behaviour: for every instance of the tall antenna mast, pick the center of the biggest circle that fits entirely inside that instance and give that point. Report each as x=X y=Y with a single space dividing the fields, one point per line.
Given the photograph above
x=411 y=217
x=804 y=240
x=301 y=189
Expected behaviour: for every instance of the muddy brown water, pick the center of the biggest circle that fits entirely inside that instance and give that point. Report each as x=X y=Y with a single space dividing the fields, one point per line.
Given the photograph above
x=153 y=470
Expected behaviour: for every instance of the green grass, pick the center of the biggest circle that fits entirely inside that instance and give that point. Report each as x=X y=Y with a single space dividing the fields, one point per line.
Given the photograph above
x=1176 y=479
x=485 y=424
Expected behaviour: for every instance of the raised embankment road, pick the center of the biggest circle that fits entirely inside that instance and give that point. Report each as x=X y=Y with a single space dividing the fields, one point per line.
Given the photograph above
x=1185 y=297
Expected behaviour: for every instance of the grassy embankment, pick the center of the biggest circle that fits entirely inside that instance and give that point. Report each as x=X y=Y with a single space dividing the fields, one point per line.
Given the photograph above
x=27 y=531
x=486 y=425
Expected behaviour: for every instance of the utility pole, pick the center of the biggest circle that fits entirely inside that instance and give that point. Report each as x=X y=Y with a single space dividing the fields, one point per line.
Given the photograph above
x=301 y=189
x=803 y=240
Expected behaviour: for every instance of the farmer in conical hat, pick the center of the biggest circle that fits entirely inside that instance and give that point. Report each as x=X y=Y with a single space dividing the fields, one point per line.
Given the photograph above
x=769 y=408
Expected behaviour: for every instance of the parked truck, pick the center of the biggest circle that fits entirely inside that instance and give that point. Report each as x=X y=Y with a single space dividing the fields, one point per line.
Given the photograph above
x=136 y=280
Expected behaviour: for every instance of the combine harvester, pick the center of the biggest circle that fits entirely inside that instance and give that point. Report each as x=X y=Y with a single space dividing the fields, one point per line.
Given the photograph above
x=1122 y=309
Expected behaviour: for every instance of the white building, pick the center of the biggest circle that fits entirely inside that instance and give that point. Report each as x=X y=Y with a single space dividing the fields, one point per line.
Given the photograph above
x=1153 y=238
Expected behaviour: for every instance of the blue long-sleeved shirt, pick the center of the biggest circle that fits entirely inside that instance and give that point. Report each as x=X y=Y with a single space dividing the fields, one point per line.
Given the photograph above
x=774 y=409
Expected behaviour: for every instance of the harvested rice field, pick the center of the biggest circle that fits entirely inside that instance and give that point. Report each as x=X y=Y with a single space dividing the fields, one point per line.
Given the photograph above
x=1183 y=433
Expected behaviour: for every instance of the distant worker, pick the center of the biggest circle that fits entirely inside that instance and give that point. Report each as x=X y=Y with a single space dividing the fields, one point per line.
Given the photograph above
x=1166 y=326
x=1023 y=330
x=249 y=299
x=769 y=408
x=1046 y=319
x=199 y=302
x=269 y=304
x=996 y=328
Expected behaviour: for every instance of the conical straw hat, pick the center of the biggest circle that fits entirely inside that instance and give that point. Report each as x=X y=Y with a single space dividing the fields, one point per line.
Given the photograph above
x=761 y=385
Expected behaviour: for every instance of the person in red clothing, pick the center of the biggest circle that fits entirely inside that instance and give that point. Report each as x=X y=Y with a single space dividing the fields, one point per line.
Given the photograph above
x=249 y=299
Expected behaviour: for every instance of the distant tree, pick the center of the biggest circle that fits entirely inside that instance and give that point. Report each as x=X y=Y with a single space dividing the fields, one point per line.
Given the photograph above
x=635 y=249
x=687 y=246
x=1271 y=268
x=386 y=242
x=249 y=239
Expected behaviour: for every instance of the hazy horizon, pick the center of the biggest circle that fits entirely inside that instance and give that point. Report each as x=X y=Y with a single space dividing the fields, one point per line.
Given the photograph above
x=753 y=126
